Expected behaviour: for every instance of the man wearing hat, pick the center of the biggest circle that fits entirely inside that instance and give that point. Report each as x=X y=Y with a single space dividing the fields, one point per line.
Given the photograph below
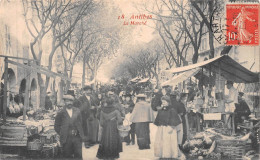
x=142 y=115
x=68 y=124
x=88 y=111
x=156 y=100
x=232 y=98
x=230 y=101
x=242 y=110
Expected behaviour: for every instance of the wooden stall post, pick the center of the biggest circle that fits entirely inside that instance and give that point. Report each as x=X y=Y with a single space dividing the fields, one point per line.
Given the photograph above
x=26 y=97
x=233 y=124
x=202 y=82
x=5 y=89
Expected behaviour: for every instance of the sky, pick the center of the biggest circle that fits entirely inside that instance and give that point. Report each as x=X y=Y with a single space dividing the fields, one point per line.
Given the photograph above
x=141 y=34
x=12 y=16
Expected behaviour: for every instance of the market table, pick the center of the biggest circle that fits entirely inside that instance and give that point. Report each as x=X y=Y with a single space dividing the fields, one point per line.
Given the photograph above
x=211 y=117
x=217 y=117
x=232 y=121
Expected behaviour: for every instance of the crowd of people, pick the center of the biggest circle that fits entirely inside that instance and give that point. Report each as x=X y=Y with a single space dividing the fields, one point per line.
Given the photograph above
x=94 y=118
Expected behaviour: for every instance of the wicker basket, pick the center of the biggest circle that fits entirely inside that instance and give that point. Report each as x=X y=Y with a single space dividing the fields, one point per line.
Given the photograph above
x=233 y=149
x=49 y=151
x=35 y=145
x=123 y=130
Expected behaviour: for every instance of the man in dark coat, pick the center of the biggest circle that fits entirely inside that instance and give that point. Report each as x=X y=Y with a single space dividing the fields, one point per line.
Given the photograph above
x=88 y=111
x=242 y=110
x=68 y=124
x=156 y=100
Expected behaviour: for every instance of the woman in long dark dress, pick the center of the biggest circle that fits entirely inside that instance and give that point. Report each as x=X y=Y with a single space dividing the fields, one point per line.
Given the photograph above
x=110 y=144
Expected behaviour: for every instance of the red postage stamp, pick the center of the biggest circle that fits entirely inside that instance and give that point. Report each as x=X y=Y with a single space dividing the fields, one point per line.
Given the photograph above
x=242 y=24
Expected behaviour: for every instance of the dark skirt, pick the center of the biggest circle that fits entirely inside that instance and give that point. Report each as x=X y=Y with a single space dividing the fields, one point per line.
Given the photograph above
x=184 y=125
x=93 y=126
x=142 y=131
x=111 y=144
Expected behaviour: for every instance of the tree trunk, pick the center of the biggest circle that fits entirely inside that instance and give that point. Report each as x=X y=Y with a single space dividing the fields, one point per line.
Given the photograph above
x=84 y=70
x=211 y=35
x=67 y=85
x=42 y=90
x=205 y=19
x=195 y=55
x=70 y=76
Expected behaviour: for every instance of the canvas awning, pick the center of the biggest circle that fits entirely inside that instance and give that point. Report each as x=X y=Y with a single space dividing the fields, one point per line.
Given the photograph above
x=229 y=69
x=144 y=80
x=181 y=77
x=134 y=80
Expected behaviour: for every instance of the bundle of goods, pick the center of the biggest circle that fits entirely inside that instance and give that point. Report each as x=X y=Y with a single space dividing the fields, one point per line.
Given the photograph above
x=212 y=145
x=202 y=145
x=15 y=108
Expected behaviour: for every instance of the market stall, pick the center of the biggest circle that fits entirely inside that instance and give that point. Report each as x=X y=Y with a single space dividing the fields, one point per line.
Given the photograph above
x=25 y=126
x=210 y=100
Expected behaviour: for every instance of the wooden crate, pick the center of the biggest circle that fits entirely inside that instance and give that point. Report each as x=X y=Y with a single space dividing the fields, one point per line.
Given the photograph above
x=49 y=151
x=34 y=145
x=233 y=149
x=15 y=132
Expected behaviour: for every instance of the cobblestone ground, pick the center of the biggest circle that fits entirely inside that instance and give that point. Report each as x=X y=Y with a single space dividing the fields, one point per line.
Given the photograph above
x=130 y=152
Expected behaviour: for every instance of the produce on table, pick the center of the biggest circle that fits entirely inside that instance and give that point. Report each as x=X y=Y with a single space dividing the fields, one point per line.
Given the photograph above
x=207 y=142
x=199 y=135
x=16 y=108
x=206 y=147
x=21 y=106
x=11 y=108
x=246 y=137
x=212 y=148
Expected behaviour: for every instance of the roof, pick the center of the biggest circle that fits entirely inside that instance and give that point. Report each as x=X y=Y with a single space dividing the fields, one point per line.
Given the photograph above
x=229 y=69
x=181 y=77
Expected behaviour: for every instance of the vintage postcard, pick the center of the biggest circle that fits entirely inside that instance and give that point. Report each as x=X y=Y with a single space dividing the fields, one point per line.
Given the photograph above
x=129 y=79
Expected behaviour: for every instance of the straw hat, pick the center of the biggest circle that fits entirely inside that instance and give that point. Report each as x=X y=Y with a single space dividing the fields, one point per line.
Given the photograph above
x=69 y=97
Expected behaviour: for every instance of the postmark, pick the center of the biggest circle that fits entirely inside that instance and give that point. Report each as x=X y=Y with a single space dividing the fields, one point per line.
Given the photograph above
x=242 y=24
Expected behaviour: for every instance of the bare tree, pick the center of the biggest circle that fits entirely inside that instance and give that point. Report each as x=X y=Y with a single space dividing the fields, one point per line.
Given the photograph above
x=214 y=6
x=44 y=21
x=191 y=23
x=104 y=42
x=141 y=61
x=171 y=32
x=79 y=42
